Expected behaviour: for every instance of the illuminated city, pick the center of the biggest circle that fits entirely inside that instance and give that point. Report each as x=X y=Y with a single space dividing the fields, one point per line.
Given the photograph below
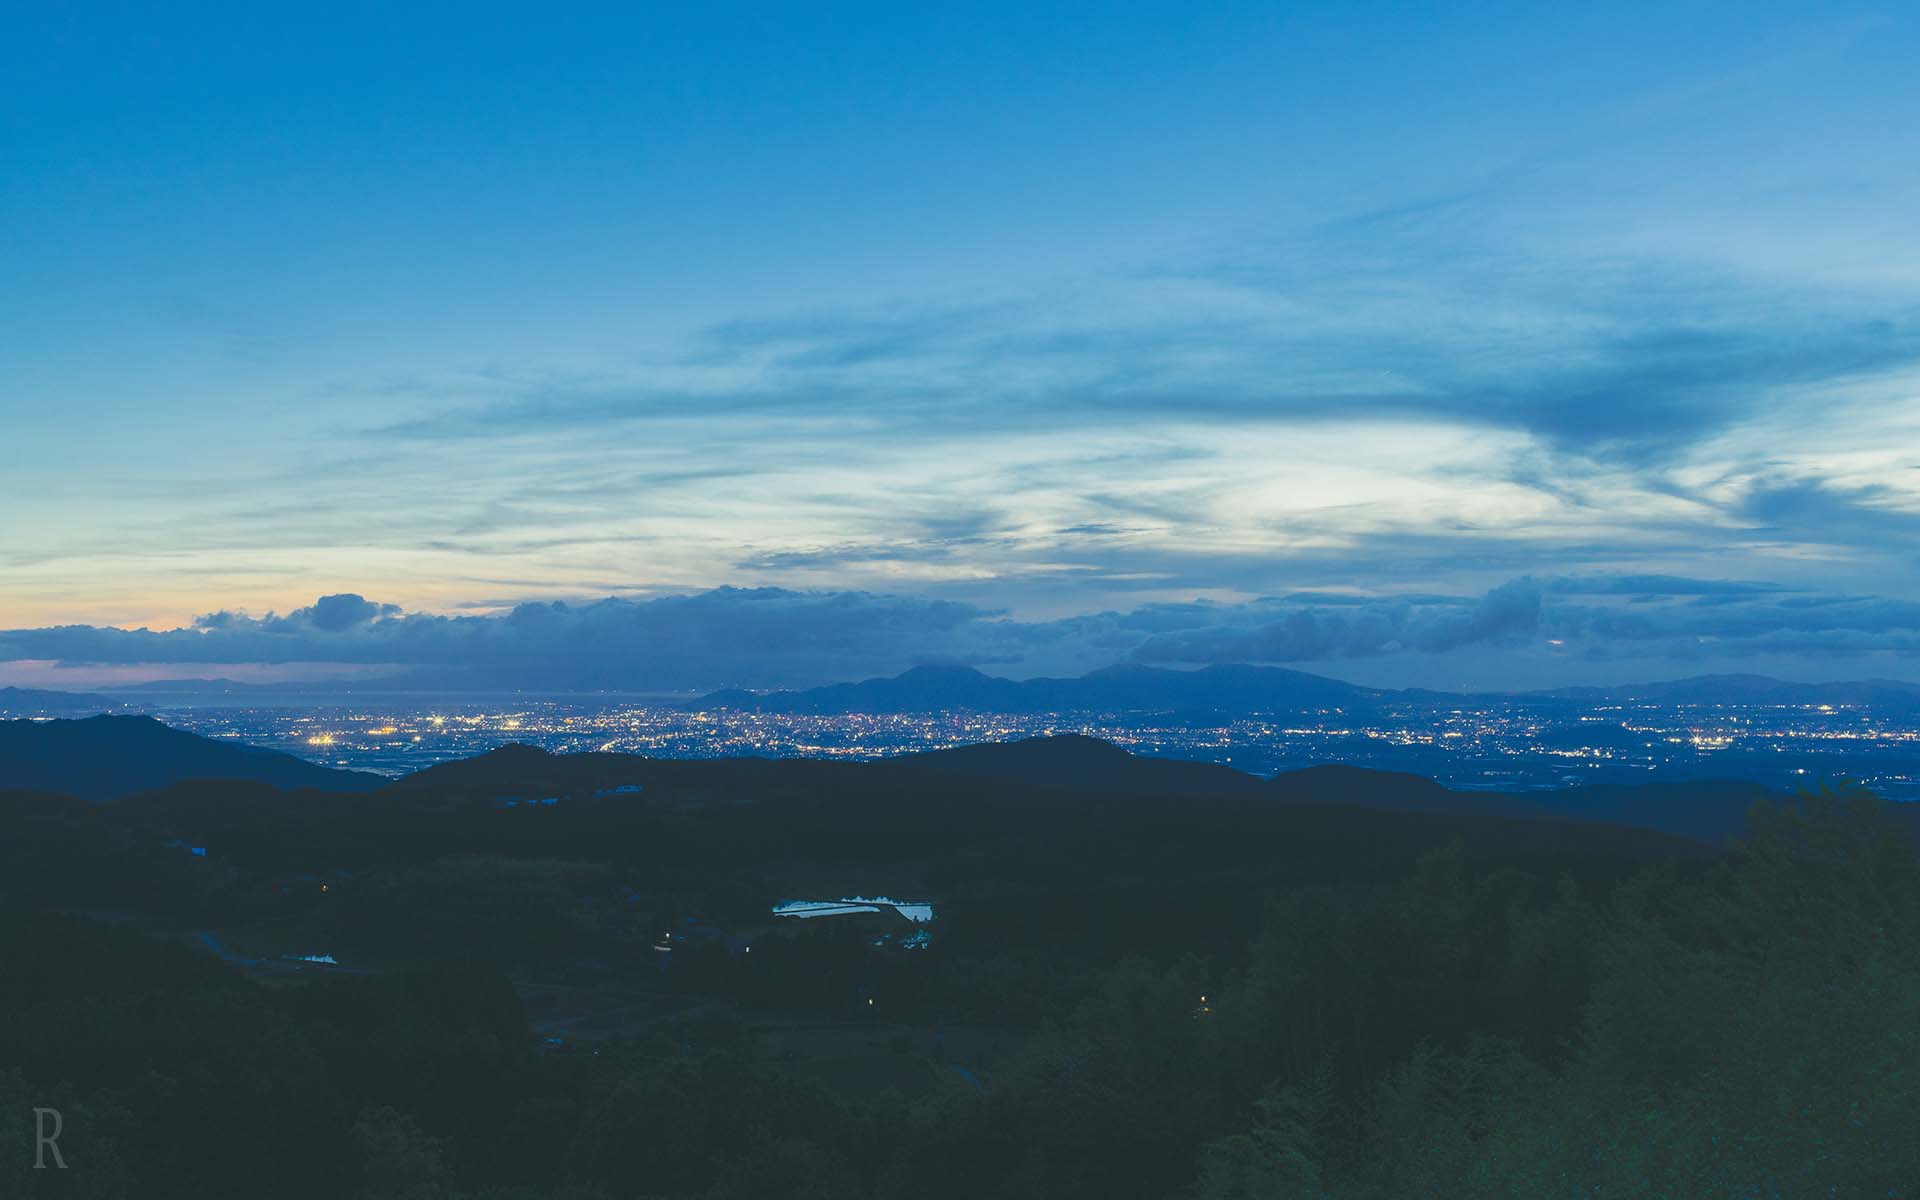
x=1478 y=742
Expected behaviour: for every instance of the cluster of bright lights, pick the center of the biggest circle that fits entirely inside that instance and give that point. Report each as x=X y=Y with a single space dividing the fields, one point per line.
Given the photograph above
x=1490 y=743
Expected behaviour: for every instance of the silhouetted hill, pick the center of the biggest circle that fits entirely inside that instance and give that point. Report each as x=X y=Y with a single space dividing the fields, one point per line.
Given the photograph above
x=29 y=702
x=102 y=757
x=1082 y=764
x=1074 y=819
x=1115 y=689
x=1173 y=935
x=1104 y=773
x=1360 y=785
x=519 y=770
x=1710 y=810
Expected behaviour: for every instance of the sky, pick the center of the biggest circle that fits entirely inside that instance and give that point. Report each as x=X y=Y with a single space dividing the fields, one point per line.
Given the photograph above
x=650 y=347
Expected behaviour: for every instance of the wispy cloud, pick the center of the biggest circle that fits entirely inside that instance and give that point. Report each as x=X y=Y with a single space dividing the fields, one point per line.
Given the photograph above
x=1380 y=390
x=1401 y=402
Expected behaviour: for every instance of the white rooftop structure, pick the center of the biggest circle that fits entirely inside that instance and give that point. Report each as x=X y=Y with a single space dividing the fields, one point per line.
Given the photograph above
x=914 y=911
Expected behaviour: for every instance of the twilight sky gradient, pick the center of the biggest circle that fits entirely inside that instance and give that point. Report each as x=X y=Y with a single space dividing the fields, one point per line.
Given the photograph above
x=1462 y=345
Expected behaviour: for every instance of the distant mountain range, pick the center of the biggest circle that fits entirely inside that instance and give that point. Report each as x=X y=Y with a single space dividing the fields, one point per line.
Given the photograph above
x=1217 y=690
x=104 y=757
x=221 y=684
x=1115 y=689
x=1243 y=690
x=34 y=702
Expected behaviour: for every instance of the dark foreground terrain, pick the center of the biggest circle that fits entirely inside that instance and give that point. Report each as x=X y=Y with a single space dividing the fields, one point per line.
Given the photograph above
x=532 y=976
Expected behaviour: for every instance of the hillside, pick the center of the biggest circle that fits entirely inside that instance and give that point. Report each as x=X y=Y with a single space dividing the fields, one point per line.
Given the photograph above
x=103 y=757
x=446 y=948
x=1080 y=763
x=1074 y=772
x=1712 y=810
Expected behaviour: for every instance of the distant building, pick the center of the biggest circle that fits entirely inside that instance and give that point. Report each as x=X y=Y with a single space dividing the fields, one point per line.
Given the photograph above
x=913 y=910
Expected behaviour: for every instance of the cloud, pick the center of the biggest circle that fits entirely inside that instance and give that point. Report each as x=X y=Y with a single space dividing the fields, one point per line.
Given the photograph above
x=767 y=637
x=337 y=613
x=329 y=614
x=1349 y=627
x=1648 y=395
x=1428 y=312
x=1406 y=403
x=1360 y=442
x=1398 y=402
x=1874 y=515
x=1659 y=585
x=724 y=635
x=1637 y=367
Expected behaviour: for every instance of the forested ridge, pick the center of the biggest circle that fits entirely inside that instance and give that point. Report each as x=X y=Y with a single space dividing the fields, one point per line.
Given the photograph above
x=1240 y=998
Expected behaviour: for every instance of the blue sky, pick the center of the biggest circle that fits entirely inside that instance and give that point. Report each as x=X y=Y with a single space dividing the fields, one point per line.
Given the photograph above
x=1034 y=336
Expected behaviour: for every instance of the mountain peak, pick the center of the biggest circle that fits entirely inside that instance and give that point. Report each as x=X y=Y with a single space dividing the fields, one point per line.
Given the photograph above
x=1123 y=687
x=942 y=671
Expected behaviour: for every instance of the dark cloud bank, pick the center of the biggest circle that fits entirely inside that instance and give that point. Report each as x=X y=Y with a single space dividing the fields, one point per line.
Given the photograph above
x=771 y=637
